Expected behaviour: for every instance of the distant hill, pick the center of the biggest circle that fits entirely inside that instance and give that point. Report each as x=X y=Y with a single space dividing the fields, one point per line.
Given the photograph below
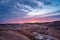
x=10 y=26
x=55 y=24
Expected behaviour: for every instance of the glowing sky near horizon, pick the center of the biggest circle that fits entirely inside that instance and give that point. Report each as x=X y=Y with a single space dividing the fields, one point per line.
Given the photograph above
x=22 y=11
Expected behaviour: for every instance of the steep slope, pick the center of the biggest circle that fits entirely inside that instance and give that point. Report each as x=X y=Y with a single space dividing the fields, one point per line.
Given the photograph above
x=11 y=35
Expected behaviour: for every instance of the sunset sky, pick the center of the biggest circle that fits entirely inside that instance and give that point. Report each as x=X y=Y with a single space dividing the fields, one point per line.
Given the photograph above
x=22 y=11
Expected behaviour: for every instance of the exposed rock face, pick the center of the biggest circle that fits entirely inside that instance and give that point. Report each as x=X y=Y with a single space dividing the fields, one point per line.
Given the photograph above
x=43 y=37
x=26 y=31
x=10 y=35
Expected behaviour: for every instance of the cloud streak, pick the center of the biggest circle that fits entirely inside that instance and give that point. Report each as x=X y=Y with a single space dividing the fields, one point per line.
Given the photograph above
x=25 y=9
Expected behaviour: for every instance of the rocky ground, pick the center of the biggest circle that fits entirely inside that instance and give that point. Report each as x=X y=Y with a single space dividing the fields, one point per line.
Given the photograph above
x=29 y=32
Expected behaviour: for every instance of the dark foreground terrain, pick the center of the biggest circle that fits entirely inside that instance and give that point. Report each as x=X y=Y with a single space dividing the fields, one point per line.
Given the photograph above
x=30 y=31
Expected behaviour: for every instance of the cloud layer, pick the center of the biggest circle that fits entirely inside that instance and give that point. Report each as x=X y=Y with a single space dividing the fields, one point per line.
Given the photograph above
x=11 y=10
